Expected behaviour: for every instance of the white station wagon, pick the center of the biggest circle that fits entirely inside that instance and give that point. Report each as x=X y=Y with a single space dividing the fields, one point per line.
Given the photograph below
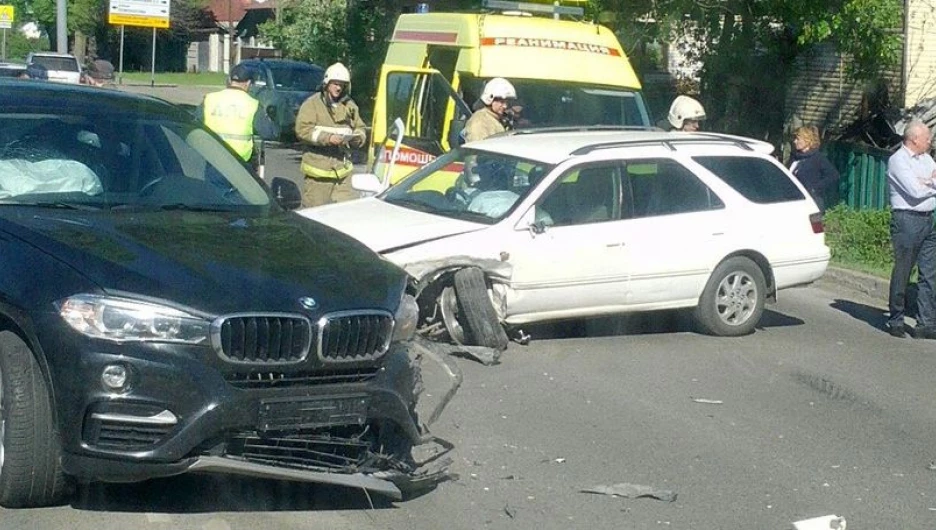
x=546 y=225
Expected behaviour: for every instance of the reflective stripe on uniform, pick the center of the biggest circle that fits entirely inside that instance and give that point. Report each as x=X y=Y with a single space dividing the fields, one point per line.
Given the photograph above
x=333 y=174
x=236 y=137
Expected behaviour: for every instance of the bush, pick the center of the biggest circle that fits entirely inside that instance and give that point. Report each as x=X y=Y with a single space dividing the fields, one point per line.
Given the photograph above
x=860 y=238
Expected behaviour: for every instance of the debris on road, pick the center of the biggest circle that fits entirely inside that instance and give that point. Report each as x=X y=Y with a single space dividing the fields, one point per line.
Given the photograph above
x=707 y=401
x=482 y=354
x=632 y=491
x=509 y=511
x=826 y=522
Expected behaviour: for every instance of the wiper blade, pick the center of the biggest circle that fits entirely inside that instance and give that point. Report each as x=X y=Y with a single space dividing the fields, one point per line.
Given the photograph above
x=192 y=207
x=53 y=204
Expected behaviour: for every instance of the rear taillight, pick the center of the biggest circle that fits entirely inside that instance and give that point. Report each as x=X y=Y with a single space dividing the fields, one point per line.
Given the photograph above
x=815 y=220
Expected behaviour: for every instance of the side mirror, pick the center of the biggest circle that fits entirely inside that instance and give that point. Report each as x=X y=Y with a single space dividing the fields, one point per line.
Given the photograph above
x=366 y=183
x=535 y=221
x=287 y=193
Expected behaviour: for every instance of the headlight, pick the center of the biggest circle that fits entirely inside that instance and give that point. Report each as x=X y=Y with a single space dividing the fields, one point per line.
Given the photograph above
x=406 y=318
x=123 y=319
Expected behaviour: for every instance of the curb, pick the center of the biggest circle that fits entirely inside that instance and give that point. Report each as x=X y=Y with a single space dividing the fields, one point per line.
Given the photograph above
x=873 y=286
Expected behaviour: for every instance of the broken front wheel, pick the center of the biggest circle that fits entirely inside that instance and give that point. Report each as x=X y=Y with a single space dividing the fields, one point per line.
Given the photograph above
x=468 y=312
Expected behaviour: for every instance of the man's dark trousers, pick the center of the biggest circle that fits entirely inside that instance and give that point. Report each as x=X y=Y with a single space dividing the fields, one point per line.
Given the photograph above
x=914 y=242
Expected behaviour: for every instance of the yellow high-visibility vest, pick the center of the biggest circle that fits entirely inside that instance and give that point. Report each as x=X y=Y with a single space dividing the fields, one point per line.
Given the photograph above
x=230 y=113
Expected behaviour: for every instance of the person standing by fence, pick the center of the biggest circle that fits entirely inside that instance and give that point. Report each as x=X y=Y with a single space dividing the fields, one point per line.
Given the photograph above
x=811 y=167
x=911 y=176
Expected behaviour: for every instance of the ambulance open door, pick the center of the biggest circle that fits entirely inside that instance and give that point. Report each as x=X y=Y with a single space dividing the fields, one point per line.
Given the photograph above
x=432 y=112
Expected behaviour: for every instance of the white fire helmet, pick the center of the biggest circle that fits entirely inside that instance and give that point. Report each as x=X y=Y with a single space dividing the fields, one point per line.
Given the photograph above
x=685 y=108
x=337 y=72
x=497 y=88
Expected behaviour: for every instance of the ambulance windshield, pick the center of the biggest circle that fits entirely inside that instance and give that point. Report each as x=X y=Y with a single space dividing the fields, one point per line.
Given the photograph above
x=545 y=103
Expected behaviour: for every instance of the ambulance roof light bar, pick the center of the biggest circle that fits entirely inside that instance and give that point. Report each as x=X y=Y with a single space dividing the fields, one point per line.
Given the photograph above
x=553 y=9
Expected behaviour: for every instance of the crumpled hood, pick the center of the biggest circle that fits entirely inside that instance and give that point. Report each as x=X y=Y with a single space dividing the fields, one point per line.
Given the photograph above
x=383 y=226
x=214 y=262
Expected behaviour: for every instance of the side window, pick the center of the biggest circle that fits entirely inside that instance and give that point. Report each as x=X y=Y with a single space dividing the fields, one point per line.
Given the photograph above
x=757 y=179
x=584 y=195
x=399 y=95
x=664 y=187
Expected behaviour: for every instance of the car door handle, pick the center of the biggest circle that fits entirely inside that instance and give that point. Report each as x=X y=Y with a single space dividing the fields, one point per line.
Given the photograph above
x=614 y=245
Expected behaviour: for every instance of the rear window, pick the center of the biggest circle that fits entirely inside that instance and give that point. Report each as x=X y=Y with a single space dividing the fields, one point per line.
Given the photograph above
x=59 y=64
x=297 y=78
x=757 y=179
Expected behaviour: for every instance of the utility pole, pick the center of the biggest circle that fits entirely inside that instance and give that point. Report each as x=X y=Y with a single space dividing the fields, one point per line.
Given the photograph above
x=230 y=35
x=61 y=26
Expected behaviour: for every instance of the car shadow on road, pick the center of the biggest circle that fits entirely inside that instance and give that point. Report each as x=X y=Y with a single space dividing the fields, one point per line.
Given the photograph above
x=640 y=324
x=213 y=493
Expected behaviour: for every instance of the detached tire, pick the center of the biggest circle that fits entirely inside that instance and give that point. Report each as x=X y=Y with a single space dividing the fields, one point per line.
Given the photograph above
x=482 y=327
x=30 y=474
x=733 y=300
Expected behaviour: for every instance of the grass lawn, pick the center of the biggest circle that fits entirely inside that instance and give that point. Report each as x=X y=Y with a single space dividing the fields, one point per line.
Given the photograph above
x=176 y=78
x=881 y=271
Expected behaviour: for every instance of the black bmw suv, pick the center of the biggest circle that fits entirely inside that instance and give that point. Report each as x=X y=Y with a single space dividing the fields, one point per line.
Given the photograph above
x=161 y=313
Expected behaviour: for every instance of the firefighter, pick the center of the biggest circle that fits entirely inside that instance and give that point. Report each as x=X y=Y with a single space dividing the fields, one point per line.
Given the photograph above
x=329 y=125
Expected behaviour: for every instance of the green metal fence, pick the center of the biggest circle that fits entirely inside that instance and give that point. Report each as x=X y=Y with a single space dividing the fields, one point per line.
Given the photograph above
x=864 y=175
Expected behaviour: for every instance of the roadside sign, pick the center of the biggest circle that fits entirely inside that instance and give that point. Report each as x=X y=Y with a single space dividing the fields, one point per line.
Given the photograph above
x=146 y=13
x=6 y=17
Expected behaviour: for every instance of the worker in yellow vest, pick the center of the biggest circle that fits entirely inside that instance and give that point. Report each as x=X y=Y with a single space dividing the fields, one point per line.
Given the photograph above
x=235 y=116
x=329 y=125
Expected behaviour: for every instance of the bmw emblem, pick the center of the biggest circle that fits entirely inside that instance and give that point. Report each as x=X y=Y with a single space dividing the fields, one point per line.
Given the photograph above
x=308 y=302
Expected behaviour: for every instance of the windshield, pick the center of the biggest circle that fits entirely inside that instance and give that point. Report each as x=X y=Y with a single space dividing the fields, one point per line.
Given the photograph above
x=299 y=79
x=544 y=103
x=468 y=184
x=57 y=63
x=126 y=162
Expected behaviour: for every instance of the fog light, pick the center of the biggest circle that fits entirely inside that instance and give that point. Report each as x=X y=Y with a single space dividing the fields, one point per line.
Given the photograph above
x=115 y=377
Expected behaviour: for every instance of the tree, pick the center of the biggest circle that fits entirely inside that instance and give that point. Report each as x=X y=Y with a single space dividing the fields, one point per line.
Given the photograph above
x=747 y=47
x=355 y=32
x=89 y=18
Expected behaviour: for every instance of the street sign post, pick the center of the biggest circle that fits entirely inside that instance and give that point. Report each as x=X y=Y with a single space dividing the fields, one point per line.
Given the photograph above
x=6 y=22
x=146 y=13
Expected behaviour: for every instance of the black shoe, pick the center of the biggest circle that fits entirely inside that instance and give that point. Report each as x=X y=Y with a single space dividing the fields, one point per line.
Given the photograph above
x=896 y=331
x=925 y=333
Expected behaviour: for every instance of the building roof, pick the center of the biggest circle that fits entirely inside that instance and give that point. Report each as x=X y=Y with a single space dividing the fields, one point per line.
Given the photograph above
x=228 y=10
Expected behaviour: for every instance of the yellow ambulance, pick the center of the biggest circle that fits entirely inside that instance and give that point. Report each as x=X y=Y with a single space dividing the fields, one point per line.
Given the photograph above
x=566 y=73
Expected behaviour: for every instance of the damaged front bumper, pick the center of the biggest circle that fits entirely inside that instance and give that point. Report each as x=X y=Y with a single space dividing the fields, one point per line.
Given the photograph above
x=355 y=437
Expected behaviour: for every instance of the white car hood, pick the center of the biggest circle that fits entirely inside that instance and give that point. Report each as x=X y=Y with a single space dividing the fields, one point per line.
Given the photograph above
x=383 y=226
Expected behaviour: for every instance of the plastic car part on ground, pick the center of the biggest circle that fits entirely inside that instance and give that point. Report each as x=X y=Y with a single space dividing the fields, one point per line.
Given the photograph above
x=826 y=522
x=633 y=491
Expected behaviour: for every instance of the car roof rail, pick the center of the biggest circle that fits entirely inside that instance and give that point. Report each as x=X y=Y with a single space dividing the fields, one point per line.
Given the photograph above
x=669 y=143
x=579 y=128
x=554 y=9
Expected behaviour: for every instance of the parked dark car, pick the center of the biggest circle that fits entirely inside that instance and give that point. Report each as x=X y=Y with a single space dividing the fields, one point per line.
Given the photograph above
x=160 y=313
x=12 y=69
x=281 y=85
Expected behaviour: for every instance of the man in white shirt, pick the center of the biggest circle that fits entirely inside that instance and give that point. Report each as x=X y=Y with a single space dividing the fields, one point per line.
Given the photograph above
x=911 y=176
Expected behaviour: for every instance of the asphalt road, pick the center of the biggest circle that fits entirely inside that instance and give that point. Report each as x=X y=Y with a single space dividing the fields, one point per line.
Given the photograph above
x=182 y=94
x=816 y=413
